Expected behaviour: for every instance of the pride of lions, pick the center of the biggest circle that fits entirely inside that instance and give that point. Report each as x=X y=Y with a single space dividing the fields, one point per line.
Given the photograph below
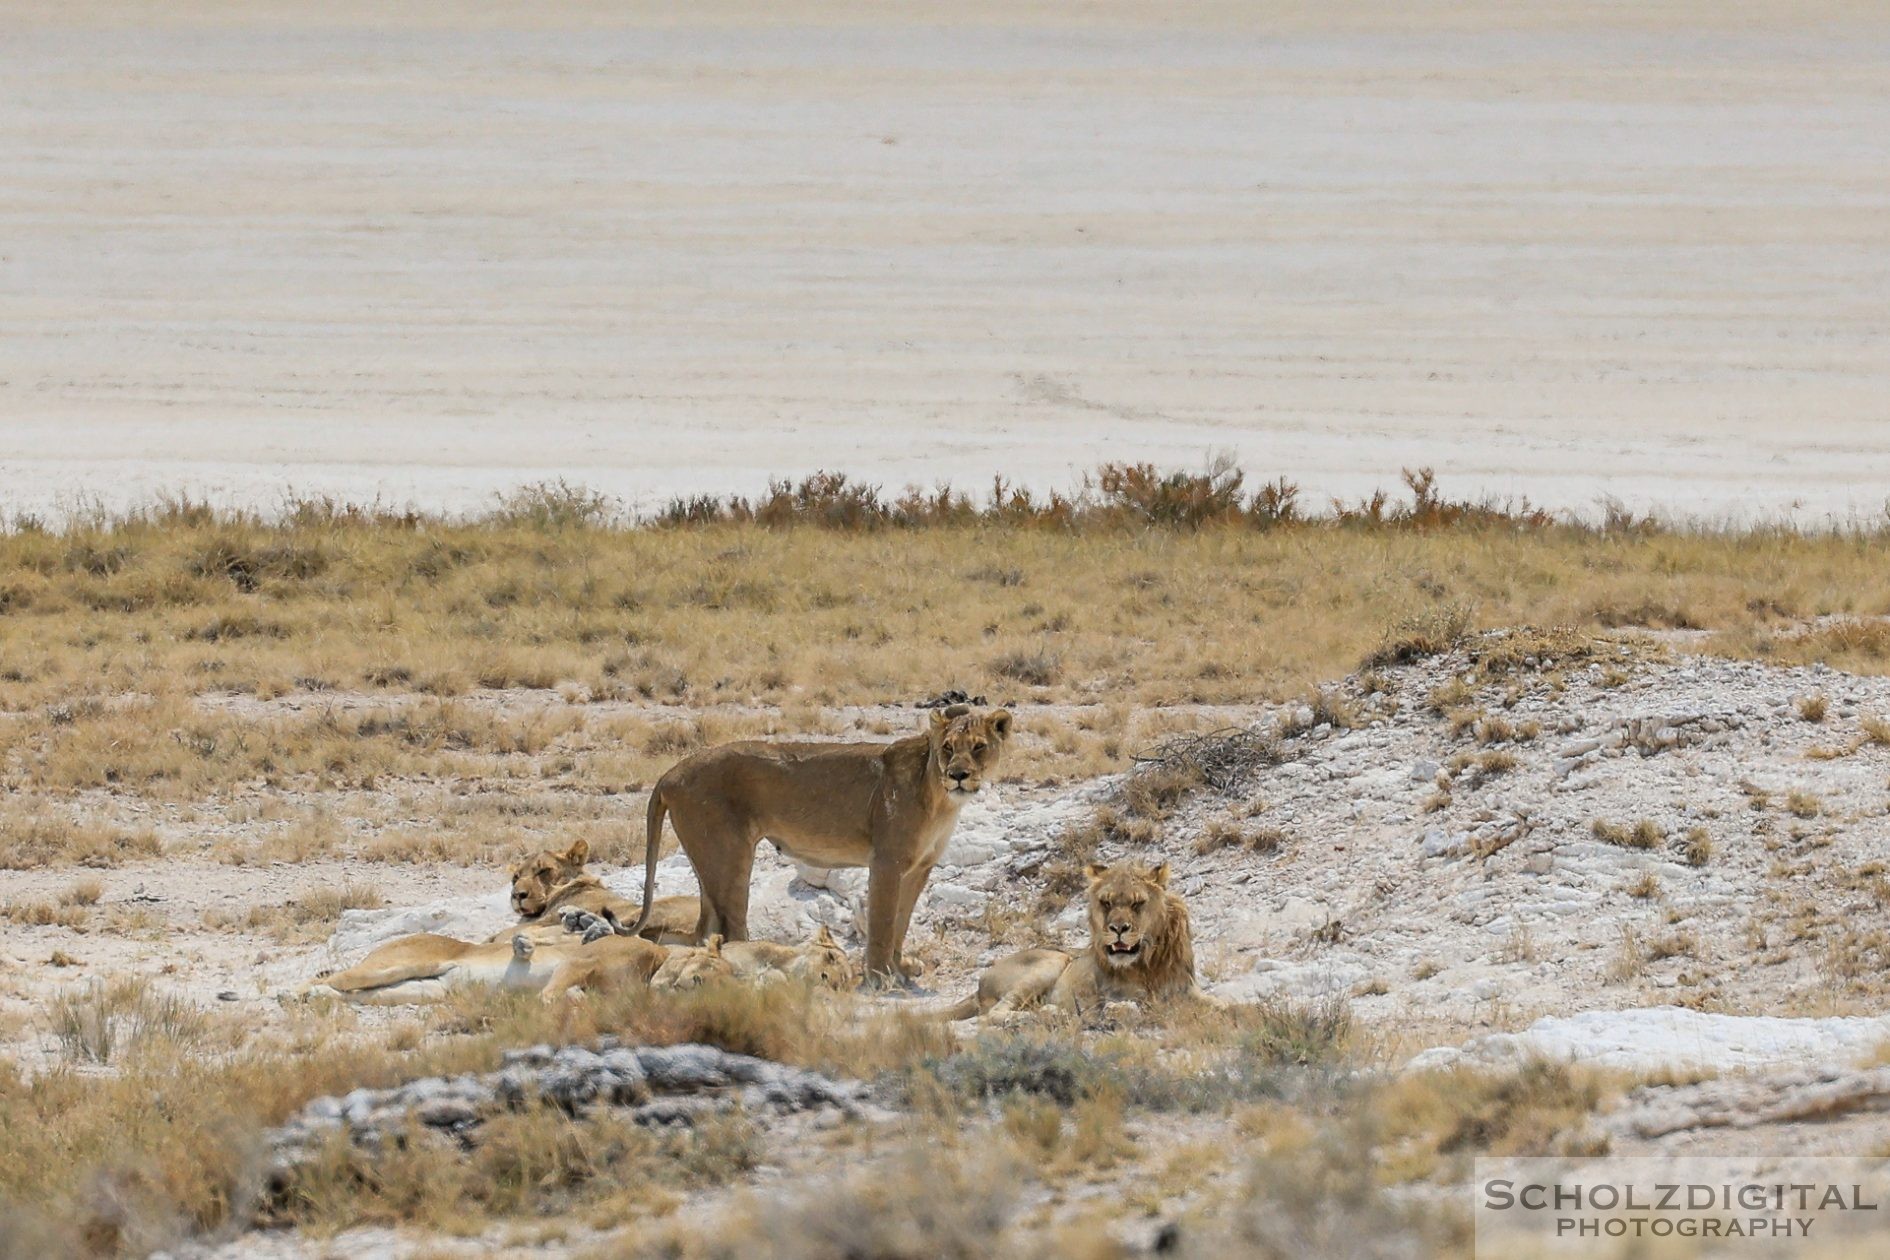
x=890 y=808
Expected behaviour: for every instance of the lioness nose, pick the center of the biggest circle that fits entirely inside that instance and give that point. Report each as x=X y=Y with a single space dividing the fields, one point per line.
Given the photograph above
x=959 y=776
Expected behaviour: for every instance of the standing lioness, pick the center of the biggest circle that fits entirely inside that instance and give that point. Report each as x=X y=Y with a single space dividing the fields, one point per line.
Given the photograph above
x=887 y=807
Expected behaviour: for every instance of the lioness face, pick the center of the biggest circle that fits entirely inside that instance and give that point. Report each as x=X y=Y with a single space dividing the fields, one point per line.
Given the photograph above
x=824 y=962
x=538 y=876
x=691 y=968
x=966 y=746
x=1126 y=906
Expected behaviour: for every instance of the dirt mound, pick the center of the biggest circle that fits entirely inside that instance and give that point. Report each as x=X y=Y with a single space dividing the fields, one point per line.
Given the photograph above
x=1536 y=824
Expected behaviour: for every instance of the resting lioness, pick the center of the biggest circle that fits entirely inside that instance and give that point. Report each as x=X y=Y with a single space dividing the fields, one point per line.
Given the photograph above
x=611 y=962
x=548 y=883
x=821 y=961
x=425 y=967
x=1140 y=946
x=888 y=807
x=691 y=967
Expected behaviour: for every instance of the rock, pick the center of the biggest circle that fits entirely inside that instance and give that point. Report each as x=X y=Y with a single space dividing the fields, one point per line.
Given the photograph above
x=692 y=1079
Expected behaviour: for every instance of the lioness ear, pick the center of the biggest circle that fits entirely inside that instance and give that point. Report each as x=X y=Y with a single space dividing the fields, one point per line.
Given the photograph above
x=824 y=936
x=579 y=853
x=1095 y=871
x=714 y=946
x=1159 y=876
x=939 y=721
x=999 y=723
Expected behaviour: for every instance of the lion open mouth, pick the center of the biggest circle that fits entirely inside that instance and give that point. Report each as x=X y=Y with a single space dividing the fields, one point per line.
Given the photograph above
x=1123 y=949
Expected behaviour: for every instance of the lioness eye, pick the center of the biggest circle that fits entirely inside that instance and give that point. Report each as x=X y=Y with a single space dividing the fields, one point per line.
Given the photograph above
x=978 y=748
x=1137 y=904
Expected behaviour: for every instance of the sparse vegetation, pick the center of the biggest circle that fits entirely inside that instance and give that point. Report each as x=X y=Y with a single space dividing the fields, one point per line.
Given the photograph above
x=1223 y=833
x=1644 y=834
x=186 y=667
x=98 y=1022
x=1697 y=848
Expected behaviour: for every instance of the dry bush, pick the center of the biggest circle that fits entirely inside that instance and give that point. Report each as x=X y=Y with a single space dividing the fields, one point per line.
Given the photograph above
x=538 y=1161
x=786 y=1022
x=94 y=1024
x=1225 y=833
x=1682 y=944
x=1697 y=848
x=1645 y=886
x=1034 y=667
x=1439 y=1119
x=1802 y=804
x=167 y=1144
x=739 y=605
x=1644 y=834
x=1629 y=960
x=47 y=839
x=1813 y=708
x=930 y=1202
x=43 y=914
x=313 y=915
x=1315 y=1191
x=1448 y=697
x=1429 y=633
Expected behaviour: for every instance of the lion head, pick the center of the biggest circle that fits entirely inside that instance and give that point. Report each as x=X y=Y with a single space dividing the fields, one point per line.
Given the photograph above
x=966 y=746
x=1138 y=930
x=823 y=961
x=692 y=966
x=541 y=874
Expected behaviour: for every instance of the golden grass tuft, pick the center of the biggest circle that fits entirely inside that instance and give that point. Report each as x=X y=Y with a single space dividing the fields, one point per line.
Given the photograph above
x=1644 y=834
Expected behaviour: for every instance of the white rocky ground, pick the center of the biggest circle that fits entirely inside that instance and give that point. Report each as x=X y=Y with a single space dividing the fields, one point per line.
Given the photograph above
x=1501 y=905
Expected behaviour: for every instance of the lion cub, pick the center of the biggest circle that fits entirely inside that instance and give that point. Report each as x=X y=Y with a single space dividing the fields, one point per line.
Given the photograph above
x=1141 y=946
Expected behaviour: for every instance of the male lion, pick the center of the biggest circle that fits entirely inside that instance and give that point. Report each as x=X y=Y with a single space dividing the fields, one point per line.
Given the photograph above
x=1140 y=946
x=548 y=883
x=888 y=807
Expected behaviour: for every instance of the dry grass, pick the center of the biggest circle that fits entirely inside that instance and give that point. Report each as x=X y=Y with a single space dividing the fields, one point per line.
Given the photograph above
x=1697 y=848
x=95 y=1024
x=332 y=600
x=305 y=919
x=35 y=836
x=1225 y=833
x=1645 y=834
x=1434 y=1122
x=165 y=1145
x=185 y=666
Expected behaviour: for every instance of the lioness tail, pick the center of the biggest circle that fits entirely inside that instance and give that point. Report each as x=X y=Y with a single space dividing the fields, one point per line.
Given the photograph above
x=658 y=808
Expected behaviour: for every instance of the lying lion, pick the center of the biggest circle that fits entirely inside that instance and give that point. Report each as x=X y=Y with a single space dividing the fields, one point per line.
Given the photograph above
x=1141 y=946
x=821 y=961
x=547 y=884
x=425 y=967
